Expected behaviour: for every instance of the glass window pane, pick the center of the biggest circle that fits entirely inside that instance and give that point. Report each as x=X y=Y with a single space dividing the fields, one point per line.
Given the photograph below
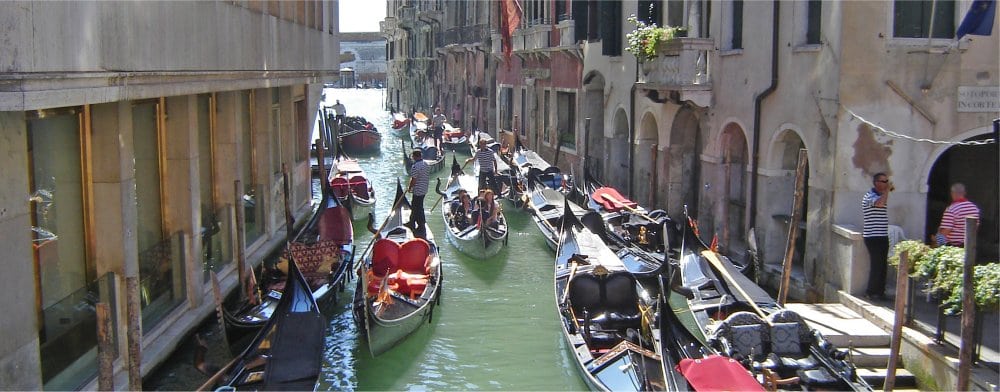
x=252 y=213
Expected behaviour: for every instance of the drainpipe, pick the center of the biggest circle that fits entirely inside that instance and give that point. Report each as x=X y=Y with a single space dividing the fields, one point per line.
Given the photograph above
x=757 y=101
x=631 y=129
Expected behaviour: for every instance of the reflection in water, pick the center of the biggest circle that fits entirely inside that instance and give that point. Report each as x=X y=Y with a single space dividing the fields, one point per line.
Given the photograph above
x=496 y=327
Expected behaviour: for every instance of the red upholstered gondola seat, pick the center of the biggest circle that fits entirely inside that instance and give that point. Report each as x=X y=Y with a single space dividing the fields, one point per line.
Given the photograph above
x=340 y=186
x=413 y=256
x=385 y=254
x=614 y=200
x=359 y=186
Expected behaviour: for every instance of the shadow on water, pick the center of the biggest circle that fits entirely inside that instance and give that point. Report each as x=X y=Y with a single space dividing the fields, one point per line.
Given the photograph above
x=487 y=270
x=400 y=358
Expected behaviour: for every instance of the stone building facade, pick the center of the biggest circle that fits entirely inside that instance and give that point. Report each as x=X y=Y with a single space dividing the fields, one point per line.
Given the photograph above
x=365 y=54
x=123 y=129
x=701 y=128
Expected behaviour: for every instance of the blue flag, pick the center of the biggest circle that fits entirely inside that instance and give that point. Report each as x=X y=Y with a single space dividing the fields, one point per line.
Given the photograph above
x=979 y=19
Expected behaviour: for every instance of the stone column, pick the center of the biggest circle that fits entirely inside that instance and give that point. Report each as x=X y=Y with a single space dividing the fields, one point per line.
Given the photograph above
x=260 y=118
x=19 y=348
x=226 y=158
x=182 y=202
x=115 y=215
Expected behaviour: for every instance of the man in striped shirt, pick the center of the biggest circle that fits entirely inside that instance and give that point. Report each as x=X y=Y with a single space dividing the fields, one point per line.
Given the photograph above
x=419 y=179
x=874 y=206
x=952 y=229
x=487 y=166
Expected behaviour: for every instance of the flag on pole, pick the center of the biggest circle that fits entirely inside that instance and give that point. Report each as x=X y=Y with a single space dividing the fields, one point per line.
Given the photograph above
x=979 y=19
x=510 y=18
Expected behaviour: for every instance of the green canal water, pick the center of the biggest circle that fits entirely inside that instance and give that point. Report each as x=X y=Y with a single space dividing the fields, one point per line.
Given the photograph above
x=496 y=328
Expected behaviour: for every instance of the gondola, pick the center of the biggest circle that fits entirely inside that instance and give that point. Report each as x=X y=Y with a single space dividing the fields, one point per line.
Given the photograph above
x=401 y=280
x=324 y=249
x=531 y=169
x=546 y=206
x=454 y=139
x=359 y=136
x=431 y=155
x=401 y=125
x=723 y=313
x=351 y=187
x=625 y=222
x=607 y=316
x=287 y=352
x=466 y=231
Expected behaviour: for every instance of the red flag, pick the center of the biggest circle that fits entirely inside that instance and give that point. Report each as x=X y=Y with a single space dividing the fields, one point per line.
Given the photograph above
x=510 y=18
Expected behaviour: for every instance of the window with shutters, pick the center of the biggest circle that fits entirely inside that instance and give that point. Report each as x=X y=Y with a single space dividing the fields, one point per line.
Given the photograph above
x=916 y=18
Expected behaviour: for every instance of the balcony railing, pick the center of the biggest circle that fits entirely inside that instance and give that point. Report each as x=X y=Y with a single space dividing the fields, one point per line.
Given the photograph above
x=390 y=24
x=533 y=38
x=567 y=30
x=407 y=17
x=682 y=65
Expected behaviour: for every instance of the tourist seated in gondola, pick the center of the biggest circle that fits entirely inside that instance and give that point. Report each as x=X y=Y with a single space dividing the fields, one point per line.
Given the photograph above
x=485 y=210
x=460 y=209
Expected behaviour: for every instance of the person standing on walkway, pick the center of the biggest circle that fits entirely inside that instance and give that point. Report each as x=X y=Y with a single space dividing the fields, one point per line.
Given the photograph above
x=874 y=206
x=487 y=166
x=952 y=229
x=339 y=110
x=419 y=178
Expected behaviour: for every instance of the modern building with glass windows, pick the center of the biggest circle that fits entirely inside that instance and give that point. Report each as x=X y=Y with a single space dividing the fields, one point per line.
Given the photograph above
x=131 y=135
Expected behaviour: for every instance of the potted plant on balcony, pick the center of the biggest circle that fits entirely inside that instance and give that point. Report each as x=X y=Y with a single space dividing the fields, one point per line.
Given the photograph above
x=646 y=40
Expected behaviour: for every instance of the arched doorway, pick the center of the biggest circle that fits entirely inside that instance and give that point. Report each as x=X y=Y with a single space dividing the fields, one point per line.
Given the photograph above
x=645 y=139
x=593 y=106
x=976 y=167
x=616 y=165
x=777 y=194
x=684 y=165
x=733 y=206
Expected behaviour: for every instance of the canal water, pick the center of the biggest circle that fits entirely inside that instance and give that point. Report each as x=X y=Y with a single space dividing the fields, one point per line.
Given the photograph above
x=496 y=328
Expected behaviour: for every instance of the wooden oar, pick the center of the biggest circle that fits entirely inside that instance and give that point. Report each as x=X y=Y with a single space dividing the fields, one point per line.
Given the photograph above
x=630 y=209
x=207 y=386
x=569 y=278
x=714 y=260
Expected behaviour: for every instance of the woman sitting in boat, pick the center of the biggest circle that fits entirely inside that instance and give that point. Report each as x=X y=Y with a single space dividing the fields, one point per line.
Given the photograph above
x=460 y=209
x=485 y=209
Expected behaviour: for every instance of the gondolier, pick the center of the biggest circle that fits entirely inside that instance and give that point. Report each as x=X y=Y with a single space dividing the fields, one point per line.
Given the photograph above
x=419 y=176
x=339 y=110
x=487 y=166
x=437 y=126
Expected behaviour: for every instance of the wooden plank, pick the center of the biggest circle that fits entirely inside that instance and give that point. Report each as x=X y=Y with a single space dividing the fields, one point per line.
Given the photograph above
x=968 y=306
x=241 y=256
x=793 y=227
x=105 y=349
x=134 y=313
x=902 y=288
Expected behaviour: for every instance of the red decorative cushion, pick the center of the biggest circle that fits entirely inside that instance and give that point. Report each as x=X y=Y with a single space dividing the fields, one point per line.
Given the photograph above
x=385 y=257
x=413 y=256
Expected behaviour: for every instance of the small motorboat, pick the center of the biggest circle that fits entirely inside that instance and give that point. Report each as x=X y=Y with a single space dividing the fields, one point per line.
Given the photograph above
x=401 y=125
x=465 y=228
x=359 y=136
x=400 y=280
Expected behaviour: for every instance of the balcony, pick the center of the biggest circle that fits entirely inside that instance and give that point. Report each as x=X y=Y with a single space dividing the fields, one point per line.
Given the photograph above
x=533 y=38
x=389 y=25
x=682 y=67
x=466 y=35
x=567 y=30
x=407 y=17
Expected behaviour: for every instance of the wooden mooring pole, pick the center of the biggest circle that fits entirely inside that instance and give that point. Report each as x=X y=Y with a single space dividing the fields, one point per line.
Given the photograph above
x=968 y=306
x=105 y=349
x=793 y=227
x=902 y=290
x=134 y=312
x=241 y=256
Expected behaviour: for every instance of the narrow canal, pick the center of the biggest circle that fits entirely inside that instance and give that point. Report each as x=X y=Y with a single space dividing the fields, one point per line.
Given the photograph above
x=497 y=327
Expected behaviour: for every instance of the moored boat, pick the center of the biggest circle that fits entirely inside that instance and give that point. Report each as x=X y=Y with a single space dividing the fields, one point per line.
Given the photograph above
x=358 y=136
x=464 y=227
x=531 y=169
x=430 y=153
x=547 y=206
x=724 y=313
x=286 y=354
x=400 y=124
x=608 y=318
x=324 y=250
x=351 y=187
x=454 y=139
x=400 y=280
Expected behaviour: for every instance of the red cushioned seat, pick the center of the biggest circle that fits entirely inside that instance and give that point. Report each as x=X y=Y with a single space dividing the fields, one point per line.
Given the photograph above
x=413 y=256
x=385 y=254
x=339 y=186
x=412 y=285
x=359 y=186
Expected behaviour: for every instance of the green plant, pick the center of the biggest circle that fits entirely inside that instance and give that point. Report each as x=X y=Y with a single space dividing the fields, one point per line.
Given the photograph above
x=644 y=40
x=942 y=267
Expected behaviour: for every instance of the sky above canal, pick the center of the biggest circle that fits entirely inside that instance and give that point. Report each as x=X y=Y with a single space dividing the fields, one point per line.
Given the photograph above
x=361 y=15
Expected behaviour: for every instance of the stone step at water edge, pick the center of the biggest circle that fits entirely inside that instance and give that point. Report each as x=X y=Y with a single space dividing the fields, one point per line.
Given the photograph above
x=842 y=326
x=876 y=378
x=873 y=357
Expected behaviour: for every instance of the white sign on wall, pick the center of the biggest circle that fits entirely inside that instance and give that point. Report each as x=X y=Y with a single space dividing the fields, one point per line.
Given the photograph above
x=979 y=99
